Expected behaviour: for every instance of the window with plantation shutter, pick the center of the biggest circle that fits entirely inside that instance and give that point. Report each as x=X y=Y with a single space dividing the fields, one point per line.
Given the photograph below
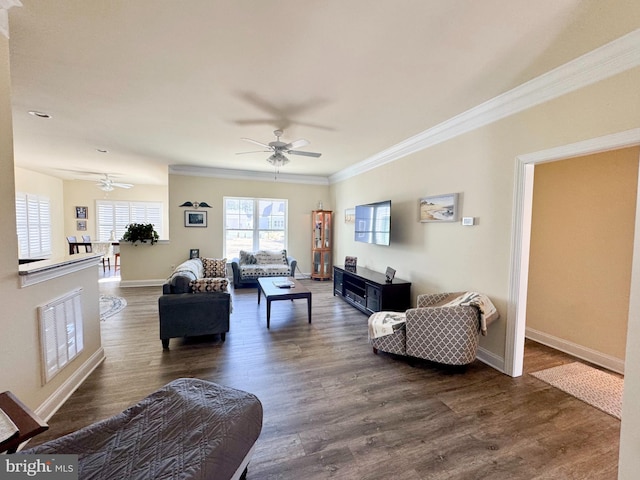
x=112 y=217
x=33 y=225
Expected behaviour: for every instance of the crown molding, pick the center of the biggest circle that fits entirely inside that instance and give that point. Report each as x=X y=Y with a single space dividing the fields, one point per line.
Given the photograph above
x=246 y=175
x=606 y=61
x=5 y=5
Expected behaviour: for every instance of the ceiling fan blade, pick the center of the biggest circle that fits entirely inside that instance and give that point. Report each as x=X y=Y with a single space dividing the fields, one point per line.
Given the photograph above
x=302 y=142
x=306 y=154
x=122 y=185
x=254 y=151
x=256 y=142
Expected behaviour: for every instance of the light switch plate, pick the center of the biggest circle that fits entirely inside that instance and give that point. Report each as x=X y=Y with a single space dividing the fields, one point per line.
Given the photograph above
x=468 y=220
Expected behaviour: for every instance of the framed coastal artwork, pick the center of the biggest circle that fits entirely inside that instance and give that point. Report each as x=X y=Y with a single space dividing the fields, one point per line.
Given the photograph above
x=439 y=208
x=350 y=215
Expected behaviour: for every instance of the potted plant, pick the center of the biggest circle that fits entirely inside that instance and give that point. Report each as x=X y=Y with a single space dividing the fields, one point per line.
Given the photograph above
x=140 y=232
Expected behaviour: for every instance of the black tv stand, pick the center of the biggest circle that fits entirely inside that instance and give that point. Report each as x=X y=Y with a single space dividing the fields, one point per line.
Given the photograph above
x=369 y=291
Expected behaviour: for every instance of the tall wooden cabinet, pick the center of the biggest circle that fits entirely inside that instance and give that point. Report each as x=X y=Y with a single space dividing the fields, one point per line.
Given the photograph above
x=321 y=245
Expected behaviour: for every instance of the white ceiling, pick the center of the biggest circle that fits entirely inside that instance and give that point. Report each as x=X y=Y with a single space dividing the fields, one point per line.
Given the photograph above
x=158 y=82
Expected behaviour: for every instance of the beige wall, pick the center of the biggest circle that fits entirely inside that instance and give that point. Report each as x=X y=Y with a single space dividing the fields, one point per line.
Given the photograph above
x=144 y=264
x=19 y=344
x=434 y=257
x=481 y=166
x=86 y=193
x=581 y=249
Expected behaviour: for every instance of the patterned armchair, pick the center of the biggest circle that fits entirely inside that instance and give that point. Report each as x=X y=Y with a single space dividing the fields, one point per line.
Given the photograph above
x=442 y=334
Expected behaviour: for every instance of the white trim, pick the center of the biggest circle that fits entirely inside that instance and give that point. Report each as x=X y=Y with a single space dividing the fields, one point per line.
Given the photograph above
x=597 y=358
x=246 y=175
x=142 y=283
x=45 y=270
x=5 y=5
x=491 y=359
x=523 y=204
x=606 y=61
x=64 y=391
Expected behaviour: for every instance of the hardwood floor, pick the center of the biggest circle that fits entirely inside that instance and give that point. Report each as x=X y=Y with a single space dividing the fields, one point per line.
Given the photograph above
x=333 y=409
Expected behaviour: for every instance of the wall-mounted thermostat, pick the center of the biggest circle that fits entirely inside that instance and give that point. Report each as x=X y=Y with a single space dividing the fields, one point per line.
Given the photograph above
x=468 y=220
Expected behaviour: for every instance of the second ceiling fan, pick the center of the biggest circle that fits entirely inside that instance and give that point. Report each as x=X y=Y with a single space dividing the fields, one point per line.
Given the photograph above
x=278 y=148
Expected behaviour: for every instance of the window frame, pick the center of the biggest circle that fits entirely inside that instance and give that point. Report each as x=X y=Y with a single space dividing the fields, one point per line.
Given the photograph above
x=255 y=229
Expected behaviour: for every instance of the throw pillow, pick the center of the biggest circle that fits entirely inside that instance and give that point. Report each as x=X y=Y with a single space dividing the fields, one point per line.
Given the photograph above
x=270 y=257
x=215 y=267
x=209 y=285
x=247 y=258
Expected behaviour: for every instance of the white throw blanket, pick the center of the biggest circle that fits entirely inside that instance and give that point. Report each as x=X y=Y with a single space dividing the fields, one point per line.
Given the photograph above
x=385 y=323
x=488 y=312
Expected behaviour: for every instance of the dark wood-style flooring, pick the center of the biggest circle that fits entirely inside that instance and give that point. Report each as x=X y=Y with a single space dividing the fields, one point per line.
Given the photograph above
x=333 y=409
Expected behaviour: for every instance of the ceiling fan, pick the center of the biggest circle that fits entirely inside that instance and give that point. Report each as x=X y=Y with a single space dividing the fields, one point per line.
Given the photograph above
x=106 y=184
x=278 y=148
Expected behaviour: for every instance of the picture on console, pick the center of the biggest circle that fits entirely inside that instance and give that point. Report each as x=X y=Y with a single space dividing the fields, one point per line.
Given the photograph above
x=350 y=263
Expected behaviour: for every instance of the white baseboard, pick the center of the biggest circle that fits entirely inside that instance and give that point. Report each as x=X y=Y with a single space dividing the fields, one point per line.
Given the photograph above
x=584 y=353
x=55 y=400
x=491 y=359
x=142 y=283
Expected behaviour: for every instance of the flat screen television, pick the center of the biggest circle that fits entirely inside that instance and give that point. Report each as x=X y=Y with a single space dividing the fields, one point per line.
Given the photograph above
x=373 y=223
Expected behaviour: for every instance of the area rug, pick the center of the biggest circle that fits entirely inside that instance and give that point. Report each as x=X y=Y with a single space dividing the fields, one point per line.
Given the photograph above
x=595 y=387
x=110 y=305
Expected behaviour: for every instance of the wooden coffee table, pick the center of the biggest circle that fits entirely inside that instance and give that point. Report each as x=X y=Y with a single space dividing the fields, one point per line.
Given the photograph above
x=272 y=293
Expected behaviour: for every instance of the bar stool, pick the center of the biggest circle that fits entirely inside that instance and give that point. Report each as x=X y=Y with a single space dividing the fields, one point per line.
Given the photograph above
x=86 y=239
x=73 y=245
x=116 y=256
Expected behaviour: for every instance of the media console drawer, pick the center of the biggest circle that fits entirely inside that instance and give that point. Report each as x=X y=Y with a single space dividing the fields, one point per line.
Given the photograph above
x=369 y=292
x=354 y=297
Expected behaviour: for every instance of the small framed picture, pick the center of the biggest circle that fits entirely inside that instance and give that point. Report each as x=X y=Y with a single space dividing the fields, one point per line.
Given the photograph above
x=82 y=212
x=350 y=263
x=350 y=215
x=195 y=218
x=81 y=225
x=194 y=253
x=439 y=208
x=390 y=273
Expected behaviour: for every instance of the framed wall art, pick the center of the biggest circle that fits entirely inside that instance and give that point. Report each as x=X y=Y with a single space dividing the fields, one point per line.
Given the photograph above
x=349 y=215
x=81 y=225
x=439 y=208
x=195 y=218
x=82 y=212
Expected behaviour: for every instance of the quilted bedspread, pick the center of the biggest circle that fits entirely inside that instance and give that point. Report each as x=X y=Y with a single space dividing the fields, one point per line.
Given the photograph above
x=188 y=429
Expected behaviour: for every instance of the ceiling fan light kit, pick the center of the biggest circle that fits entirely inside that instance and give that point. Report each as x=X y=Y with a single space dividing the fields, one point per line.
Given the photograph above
x=279 y=148
x=106 y=184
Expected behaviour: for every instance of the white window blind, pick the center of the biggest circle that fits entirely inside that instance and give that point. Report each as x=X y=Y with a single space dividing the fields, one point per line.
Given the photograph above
x=61 y=332
x=114 y=216
x=33 y=224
